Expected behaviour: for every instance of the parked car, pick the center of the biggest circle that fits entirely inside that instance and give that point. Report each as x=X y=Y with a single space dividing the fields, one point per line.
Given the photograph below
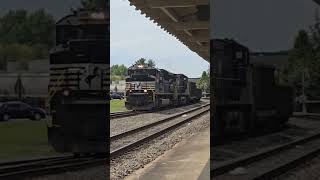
x=17 y=109
x=116 y=96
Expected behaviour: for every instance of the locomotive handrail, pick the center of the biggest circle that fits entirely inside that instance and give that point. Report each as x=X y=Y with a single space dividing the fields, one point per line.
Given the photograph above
x=53 y=89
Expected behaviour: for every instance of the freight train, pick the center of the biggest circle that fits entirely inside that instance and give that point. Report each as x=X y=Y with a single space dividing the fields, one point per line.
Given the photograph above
x=247 y=97
x=151 y=88
x=79 y=83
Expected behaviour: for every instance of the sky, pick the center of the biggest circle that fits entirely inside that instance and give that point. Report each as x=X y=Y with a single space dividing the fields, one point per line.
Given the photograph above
x=134 y=36
x=262 y=25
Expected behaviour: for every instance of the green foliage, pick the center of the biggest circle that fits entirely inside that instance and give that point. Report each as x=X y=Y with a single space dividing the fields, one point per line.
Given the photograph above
x=151 y=63
x=15 y=52
x=117 y=78
x=25 y=36
x=204 y=82
x=19 y=26
x=143 y=61
x=304 y=58
x=94 y=4
x=118 y=72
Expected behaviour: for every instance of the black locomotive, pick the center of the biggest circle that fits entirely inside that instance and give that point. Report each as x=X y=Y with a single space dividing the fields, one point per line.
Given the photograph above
x=151 y=88
x=79 y=83
x=246 y=96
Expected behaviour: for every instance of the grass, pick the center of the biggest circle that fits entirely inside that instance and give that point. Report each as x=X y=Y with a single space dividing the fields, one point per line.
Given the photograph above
x=117 y=105
x=24 y=139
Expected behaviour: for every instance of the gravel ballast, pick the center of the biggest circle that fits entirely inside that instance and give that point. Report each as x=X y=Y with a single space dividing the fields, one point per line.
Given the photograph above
x=141 y=134
x=138 y=158
x=123 y=124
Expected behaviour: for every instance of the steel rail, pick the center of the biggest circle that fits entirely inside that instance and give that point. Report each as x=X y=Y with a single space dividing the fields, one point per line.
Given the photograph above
x=128 y=147
x=227 y=166
x=51 y=165
x=57 y=164
x=132 y=131
x=114 y=115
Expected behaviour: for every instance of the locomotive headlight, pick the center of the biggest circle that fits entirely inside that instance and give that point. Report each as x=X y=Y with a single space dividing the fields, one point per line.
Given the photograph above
x=145 y=90
x=66 y=92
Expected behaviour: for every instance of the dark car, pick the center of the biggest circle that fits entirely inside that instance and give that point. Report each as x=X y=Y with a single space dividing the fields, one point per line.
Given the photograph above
x=116 y=96
x=16 y=109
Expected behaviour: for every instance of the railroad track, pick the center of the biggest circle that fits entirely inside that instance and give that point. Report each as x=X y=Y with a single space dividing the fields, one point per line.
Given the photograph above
x=115 y=115
x=124 y=142
x=123 y=114
x=268 y=163
x=34 y=167
x=42 y=166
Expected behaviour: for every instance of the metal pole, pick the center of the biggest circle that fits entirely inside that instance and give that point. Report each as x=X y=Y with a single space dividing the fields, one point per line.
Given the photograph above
x=304 y=107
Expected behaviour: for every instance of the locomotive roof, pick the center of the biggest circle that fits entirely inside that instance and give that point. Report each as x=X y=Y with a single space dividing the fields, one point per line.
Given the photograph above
x=221 y=43
x=144 y=67
x=134 y=67
x=81 y=17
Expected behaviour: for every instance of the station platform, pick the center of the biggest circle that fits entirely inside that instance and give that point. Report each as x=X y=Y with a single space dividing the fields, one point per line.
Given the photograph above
x=188 y=160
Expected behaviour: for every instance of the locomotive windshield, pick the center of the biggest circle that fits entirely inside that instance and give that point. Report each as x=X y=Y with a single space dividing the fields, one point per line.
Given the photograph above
x=66 y=33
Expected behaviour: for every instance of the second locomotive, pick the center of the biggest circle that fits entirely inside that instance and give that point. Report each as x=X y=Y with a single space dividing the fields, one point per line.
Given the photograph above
x=151 y=88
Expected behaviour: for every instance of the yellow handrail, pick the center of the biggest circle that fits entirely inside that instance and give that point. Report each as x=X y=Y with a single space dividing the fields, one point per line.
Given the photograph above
x=53 y=89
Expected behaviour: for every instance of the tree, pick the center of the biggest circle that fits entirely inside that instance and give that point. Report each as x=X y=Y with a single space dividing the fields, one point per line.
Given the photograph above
x=151 y=63
x=304 y=62
x=94 y=4
x=118 y=72
x=203 y=82
x=143 y=61
x=29 y=28
x=25 y=36
x=15 y=52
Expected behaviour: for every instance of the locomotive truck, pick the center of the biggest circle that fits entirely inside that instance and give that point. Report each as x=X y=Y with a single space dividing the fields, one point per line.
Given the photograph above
x=151 y=88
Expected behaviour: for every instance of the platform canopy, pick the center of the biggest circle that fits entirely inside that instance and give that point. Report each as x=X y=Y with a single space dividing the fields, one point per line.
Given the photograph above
x=187 y=20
